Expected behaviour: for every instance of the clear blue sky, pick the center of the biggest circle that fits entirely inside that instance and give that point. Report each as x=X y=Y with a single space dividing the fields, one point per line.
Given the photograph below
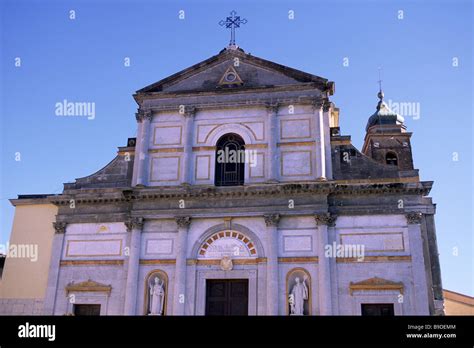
x=82 y=60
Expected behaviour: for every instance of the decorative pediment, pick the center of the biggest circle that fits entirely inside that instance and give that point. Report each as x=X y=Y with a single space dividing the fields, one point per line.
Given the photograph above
x=248 y=70
x=88 y=286
x=230 y=78
x=376 y=284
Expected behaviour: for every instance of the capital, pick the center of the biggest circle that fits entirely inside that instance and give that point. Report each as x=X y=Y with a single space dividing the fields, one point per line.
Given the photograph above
x=189 y=111
x=272 y=107
x=143 y=114
x=325 y=219
x=134 y=223
x=414 y=217
x=272 y=219
x=59 y=227
x=183 y=221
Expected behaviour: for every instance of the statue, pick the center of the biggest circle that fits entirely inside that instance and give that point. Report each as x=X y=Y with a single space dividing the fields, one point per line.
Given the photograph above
x=298 y=295
x=157 y=297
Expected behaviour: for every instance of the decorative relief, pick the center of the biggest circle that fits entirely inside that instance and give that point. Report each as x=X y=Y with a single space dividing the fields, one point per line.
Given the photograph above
x=230 y=244
x=226 y=263
x=183 y=221
x=414 y=217
x=272 y=219
x=134 y=223
x=60 y=227
x=326 y=219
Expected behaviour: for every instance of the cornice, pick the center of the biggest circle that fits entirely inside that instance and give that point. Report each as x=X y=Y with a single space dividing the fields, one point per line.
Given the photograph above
x=124 y=195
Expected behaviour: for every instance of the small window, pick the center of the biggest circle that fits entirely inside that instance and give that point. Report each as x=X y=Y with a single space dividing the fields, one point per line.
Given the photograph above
x=391 y=159
x=86 y=309
x=377 y=309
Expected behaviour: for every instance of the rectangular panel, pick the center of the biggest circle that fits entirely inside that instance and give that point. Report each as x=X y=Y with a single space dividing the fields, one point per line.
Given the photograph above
x=257 y=129
x=89 y=248
x=167 y=135
x=159 y=246
x=296 y=163
x=297 y=243
x=257 y=165
x=375 y=241
x=203 y=131
x=165 y=168
x=292 y=129
x=203 y=167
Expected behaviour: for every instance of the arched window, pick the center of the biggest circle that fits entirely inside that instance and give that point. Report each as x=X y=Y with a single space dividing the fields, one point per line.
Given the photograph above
x=391 y=158
x=230 y=160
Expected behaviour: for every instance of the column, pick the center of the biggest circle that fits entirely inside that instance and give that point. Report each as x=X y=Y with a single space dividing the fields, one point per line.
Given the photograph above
x=324 y=271
x=179 y=295
x=53 y=275
x=189 y=113
x=144 y=118
x=420 y=301
x=272 y=263
x=435 y=266
x=320 y=143
x=326 y=135
x=134 y=226
x=273 y=158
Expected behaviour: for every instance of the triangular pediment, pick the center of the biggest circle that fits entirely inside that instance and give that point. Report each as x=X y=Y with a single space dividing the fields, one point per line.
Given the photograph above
x=377 y=284
x=252 y=72
x=88 y=285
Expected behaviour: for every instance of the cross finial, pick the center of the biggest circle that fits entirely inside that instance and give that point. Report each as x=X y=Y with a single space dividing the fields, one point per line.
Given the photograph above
x=232 y=22
x=380 y=94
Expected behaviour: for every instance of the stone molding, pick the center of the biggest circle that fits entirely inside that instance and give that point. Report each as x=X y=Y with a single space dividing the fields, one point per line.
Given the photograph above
x=327 y=188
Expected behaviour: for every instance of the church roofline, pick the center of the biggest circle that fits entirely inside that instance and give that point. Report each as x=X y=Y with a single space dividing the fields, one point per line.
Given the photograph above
x=298 y=75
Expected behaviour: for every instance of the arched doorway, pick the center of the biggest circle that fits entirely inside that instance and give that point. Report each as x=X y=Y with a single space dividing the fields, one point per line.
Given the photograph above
x=230 y=160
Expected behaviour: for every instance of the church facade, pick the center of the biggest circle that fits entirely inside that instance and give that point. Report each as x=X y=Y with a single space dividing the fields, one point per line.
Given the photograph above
x=239 y=196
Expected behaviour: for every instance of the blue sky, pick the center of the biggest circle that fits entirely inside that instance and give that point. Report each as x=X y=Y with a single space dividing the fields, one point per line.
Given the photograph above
x=83 y=60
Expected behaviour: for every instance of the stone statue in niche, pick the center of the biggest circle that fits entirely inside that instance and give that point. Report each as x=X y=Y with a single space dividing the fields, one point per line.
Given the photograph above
x=298 y=296
x=157 y=296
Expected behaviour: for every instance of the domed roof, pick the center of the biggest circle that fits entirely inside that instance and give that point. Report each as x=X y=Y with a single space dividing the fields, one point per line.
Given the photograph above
x=384 y=115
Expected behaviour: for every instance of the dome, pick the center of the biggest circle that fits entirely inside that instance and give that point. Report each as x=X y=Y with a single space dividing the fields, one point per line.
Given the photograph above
x=384 y=115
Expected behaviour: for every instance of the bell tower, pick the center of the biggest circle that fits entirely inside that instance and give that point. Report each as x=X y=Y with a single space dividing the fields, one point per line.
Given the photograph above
x=386 y=140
